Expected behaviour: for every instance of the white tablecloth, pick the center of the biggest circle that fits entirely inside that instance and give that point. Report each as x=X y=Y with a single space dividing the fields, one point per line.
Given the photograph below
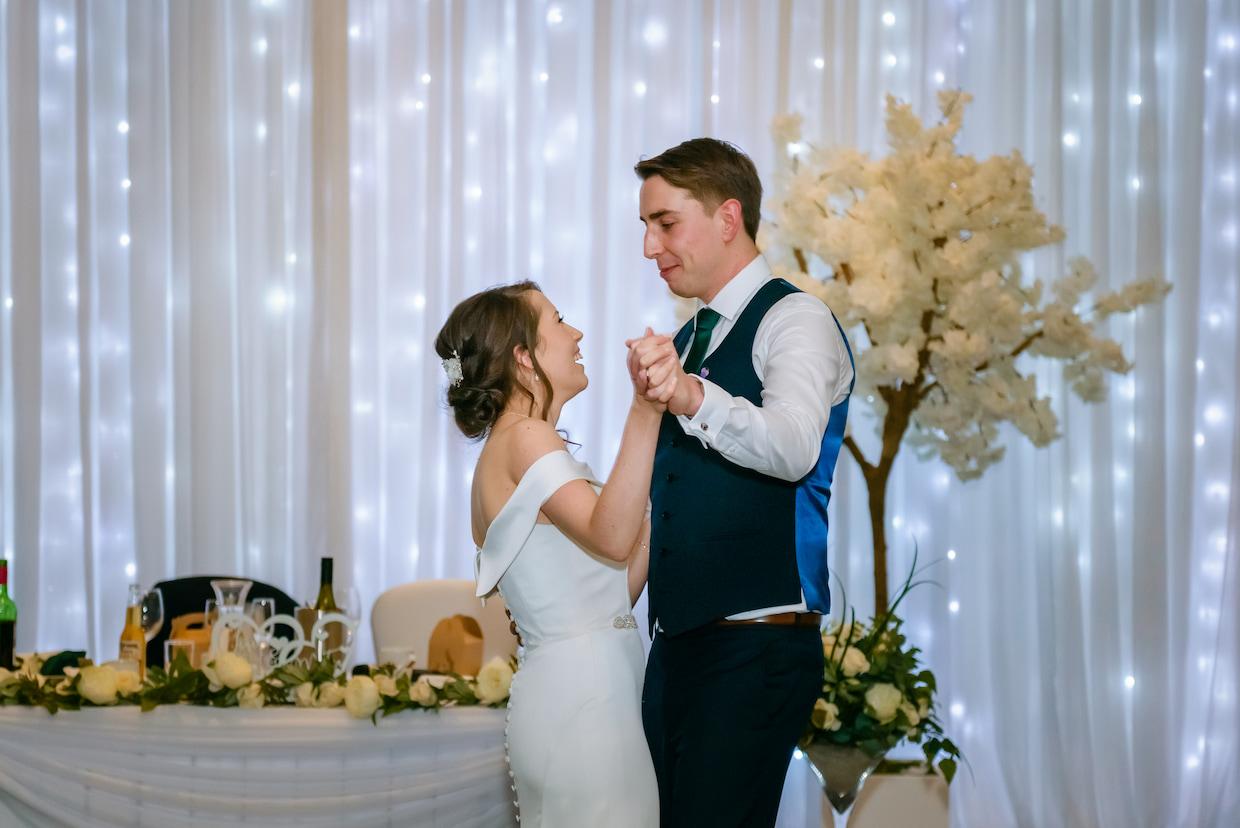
x=183 y=765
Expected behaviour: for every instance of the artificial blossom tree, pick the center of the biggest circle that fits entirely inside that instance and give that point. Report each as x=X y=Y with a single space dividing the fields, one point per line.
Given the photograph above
x=918 y=254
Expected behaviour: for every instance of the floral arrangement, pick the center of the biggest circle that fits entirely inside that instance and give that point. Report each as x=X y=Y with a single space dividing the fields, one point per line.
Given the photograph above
x=918 y=253
x=229 y=681
x=874 y=692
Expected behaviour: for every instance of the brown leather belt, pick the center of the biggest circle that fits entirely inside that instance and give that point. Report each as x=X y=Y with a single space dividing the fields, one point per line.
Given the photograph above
x=779 y=619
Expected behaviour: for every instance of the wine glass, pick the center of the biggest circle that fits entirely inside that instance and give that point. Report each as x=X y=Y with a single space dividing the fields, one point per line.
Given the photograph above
x=261 y=609
x=152 y=613
x=350 y=603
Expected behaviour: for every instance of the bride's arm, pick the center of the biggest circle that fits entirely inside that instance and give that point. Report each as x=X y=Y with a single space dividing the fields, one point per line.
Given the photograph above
x=639 y=563
x=607 y=523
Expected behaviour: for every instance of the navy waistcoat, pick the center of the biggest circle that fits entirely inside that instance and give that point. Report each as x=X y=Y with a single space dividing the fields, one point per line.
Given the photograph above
x=726 y=539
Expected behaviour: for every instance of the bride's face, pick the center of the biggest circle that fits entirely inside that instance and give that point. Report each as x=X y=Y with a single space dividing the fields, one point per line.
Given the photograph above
x=558 y=351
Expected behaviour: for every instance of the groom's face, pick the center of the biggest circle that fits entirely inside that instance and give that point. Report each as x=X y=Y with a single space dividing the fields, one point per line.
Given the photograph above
x=683 y=239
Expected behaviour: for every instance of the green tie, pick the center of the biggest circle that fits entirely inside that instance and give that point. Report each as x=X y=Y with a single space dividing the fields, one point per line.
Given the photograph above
x=706 y=320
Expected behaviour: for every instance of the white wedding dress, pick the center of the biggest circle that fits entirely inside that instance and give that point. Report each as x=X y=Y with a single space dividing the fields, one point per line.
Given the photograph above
x=576 y=748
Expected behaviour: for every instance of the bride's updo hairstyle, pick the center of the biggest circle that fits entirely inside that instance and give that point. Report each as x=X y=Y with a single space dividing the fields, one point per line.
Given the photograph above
x=482 y=332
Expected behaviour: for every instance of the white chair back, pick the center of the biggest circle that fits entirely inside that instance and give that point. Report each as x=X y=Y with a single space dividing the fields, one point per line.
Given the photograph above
x=404 y=616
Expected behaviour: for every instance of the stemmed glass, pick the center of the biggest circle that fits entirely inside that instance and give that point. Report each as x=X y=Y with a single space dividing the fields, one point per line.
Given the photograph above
x=350 y=604
x=261 y=609
x=152 y=613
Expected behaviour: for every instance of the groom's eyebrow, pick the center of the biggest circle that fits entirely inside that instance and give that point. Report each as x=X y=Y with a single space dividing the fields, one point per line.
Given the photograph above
x=657 y=214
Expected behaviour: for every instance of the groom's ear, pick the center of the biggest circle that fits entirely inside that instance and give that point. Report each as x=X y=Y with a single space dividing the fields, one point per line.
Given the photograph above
x=731 y=219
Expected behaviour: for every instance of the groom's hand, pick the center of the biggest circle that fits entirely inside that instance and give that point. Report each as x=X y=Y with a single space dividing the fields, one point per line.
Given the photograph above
x=657 y=358
x=660 y=391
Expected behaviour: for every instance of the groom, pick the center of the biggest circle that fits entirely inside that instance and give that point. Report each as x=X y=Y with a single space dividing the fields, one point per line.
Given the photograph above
x=742 y=476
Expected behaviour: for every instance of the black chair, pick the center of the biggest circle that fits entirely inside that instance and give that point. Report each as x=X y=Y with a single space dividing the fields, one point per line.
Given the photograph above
x=184 y=595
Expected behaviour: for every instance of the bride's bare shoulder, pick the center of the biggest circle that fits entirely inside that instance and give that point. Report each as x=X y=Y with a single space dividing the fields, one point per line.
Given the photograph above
x=527 y=442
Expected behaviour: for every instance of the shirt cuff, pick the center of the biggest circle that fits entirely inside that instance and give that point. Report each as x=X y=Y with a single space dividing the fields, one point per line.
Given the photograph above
x=711 y=416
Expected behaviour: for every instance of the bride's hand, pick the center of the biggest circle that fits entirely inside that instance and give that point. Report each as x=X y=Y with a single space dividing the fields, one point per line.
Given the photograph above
x=662 y=380
x=652 y=346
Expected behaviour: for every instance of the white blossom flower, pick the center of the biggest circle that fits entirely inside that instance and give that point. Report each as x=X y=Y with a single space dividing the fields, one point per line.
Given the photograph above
x=918 y=253
x=786 y=128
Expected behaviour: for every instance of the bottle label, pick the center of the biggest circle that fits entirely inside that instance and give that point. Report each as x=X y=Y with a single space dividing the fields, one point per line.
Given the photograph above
x=131 y=651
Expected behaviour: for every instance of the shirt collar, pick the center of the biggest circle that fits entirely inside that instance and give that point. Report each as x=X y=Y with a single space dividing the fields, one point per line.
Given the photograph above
x=735 y=295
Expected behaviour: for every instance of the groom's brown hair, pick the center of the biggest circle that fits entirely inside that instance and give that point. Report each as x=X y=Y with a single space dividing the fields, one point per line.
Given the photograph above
x=712 y=171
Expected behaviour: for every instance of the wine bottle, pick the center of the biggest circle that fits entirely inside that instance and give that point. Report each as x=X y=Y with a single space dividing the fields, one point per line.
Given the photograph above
x=8 y=618
x=326 y=601
x=133 y=639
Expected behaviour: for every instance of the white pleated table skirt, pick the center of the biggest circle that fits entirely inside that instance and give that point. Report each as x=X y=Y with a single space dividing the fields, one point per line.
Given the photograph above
x=189 y=766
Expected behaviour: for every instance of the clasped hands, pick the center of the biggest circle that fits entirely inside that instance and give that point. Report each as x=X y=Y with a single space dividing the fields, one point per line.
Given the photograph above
x=659 y=378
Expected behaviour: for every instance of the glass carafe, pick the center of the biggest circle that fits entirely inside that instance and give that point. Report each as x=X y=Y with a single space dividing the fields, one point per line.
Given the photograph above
x=230 y=595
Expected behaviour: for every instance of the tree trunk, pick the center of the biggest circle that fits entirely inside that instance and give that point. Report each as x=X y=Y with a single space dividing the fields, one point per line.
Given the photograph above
x=876 y=485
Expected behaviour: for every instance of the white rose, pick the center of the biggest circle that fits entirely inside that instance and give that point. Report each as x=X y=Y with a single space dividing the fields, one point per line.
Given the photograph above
x=436 y=680
x=910 y=713
x=98 y=685
x=854 y=662
x=330 y=695
x=31 y=666
x=387 y=685
x=303 y=695
x=850 y=632
x=251 y=696
x=234 y=671
x=127 y=682
x=882 y=701
x=828 y=644
x=6 y=676
x=421 y=692
x=361 y=697
x=494 y=680
x=825 y=715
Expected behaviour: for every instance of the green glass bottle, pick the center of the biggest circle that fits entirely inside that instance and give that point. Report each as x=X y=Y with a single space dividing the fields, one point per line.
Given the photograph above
x=8 y=618
x=326 y=600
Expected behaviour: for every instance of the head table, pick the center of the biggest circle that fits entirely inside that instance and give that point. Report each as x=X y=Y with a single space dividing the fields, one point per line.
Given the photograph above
x=184 y=765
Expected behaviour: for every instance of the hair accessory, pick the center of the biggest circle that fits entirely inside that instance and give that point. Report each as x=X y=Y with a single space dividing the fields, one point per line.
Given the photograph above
x=452 y=367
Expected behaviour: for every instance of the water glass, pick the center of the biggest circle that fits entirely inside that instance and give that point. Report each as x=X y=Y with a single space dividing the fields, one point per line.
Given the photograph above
x=175 y=646
x=260 y=610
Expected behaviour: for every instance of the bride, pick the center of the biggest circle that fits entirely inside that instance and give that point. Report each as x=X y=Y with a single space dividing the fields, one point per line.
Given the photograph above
x=567 y=553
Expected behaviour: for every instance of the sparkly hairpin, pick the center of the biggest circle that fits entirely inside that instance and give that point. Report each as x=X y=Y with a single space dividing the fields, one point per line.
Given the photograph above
x=452 y=367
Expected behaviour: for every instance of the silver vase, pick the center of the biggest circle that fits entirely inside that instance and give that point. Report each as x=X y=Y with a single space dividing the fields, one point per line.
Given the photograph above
x=841 y=770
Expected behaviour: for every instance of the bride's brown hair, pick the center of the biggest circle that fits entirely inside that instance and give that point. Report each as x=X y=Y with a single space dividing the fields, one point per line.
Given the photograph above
x=483 y=331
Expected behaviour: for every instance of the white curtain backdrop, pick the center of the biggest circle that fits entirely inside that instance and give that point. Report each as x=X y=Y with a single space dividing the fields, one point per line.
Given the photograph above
x=230 y=231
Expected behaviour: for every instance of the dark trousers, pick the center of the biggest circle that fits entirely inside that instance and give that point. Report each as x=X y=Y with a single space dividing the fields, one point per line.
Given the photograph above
x=723 y=708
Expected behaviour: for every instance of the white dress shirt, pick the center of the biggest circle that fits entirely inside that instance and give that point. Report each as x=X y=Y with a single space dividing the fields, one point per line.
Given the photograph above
x=803 y=364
